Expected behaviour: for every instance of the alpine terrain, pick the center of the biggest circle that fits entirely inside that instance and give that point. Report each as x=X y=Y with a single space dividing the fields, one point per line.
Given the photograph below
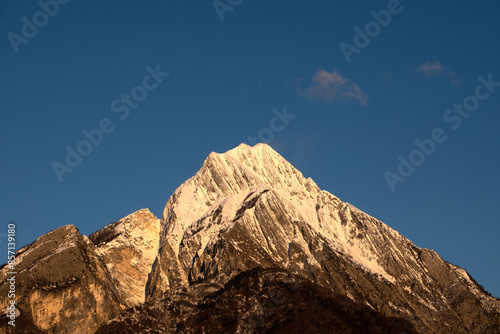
x=247 y=245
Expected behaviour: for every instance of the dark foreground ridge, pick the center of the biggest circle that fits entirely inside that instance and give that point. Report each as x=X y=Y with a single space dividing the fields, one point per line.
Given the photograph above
x=256 y=301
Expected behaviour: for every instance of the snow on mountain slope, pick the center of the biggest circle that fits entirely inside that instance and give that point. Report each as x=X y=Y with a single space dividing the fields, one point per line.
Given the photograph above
x=237 y=171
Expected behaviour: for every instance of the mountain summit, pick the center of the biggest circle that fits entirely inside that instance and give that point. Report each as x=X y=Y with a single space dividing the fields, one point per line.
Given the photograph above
x=249 y=245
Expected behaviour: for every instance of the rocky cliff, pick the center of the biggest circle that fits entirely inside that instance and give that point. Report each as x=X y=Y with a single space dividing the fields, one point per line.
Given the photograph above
x=68 y=283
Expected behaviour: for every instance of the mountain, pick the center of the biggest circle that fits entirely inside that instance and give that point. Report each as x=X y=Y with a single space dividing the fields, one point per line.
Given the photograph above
x=69 y=283
x=247 y=245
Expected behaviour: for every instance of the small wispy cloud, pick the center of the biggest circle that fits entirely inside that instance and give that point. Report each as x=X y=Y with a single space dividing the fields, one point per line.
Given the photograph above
x=437 y=69
x=330 y=86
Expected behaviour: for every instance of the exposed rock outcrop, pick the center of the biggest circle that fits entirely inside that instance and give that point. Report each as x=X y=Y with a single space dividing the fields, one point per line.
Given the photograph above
x=68 y=283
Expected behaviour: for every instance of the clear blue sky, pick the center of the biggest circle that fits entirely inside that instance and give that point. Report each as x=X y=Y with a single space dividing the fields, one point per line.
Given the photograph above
x=353 y=120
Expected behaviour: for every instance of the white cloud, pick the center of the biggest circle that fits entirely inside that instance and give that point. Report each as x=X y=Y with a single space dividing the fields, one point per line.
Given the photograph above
x=328 y=87
x=435 y=68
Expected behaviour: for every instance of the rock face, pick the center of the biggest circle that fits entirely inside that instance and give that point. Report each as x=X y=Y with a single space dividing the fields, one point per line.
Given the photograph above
x=129 y=247
x=67 y=284
x=62 y=284
x=247 y=245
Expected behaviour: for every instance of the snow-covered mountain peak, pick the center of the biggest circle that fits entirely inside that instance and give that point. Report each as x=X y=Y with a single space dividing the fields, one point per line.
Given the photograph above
x=250 y=207
x=223 y=183
x=226 y=174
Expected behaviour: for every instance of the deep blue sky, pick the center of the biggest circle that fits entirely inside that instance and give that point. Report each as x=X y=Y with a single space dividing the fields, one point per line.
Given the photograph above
x=352 y=120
